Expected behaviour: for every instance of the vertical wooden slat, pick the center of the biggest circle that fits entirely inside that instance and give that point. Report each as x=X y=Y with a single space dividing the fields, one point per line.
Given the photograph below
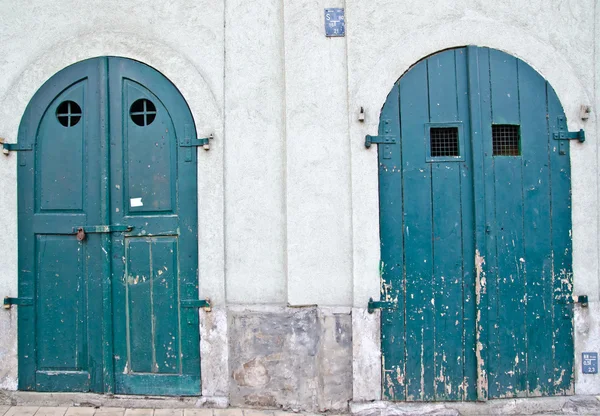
x=417 y=235
x=139 y=322
x=447 y=237
x=467 y=81
x=562 y=268
x=165 y=304
x=537 y=229
x=509 y=223
x=393 y=333
x=486 y=261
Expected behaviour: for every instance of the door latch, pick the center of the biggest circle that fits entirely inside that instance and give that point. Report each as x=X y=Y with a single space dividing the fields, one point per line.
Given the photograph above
x=82 y=231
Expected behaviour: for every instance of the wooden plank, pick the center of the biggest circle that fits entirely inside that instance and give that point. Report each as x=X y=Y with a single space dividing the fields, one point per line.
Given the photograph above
x=488 y=328
x=165 y=304
x=512 y=377
x=562 y=267
x=472 y=200
x=447 y=237
x=417 y=236
x=139 y=320
x=393 y=346
x=537 y=230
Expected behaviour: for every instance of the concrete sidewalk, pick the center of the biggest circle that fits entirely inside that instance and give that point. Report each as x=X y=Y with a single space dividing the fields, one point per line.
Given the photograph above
x=77 y=404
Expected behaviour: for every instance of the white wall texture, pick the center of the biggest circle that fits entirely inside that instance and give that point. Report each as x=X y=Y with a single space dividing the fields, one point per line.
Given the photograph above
x=288 y=208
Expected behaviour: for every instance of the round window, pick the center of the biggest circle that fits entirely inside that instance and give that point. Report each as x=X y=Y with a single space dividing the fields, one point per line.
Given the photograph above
x=142 y=112
x=68 y=113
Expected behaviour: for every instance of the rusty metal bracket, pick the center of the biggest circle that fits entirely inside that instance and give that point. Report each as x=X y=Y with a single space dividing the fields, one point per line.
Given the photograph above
x=8 y=302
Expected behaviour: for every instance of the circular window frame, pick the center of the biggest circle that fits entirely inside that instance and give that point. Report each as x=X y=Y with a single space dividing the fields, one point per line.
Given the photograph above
x=142 y=112
x=68 y=113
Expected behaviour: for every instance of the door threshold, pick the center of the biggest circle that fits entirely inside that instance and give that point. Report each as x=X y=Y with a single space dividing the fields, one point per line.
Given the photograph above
x=31 y=398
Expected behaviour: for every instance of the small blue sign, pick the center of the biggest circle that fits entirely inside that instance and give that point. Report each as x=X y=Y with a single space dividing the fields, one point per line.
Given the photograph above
x=589 y=362
x=334 y=22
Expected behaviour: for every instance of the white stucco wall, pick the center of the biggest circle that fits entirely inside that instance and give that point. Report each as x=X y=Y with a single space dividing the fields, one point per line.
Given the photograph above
x=288 y=200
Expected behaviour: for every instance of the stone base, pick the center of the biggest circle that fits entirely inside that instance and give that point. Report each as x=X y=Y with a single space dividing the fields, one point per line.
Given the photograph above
x=291 y=358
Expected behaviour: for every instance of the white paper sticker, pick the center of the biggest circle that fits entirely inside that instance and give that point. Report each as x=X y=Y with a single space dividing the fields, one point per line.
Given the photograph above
x=136 y=202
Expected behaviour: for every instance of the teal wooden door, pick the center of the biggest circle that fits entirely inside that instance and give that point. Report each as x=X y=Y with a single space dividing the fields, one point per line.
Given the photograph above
x=475 y=221
x=108 y=303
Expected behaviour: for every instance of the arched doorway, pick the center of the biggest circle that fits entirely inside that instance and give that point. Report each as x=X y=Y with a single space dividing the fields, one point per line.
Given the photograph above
x=108 y=234
x=475 y=224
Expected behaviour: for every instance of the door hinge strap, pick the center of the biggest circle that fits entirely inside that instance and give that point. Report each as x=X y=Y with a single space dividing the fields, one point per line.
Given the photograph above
x=196 y=303
x=562 y=133
x=385 y=139
x=8 y=302
x=581 y=299
x=14 y=147
x=103 y=228
x=379 y=304
x=569 y=135
x=205 y=142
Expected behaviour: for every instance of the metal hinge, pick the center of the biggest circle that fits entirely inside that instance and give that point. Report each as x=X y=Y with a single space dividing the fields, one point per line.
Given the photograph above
x=8 y=302
x=384 y=139
x=14 y=147
x=379 y=304
x=563 y=134
x=189 y=142
x=197 y=303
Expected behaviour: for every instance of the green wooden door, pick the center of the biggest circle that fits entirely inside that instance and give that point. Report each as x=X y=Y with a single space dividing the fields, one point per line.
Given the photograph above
x=475 y=224
x=107 y=311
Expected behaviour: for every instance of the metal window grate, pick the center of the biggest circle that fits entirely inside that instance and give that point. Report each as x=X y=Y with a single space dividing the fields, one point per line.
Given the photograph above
x=506 y=140
x=444 y=141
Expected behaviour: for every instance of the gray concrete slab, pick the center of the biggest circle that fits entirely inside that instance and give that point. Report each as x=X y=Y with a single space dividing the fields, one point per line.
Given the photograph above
x=80 y=411
x=51 y=411
x=139 y=412
x=22 y=411
x=168 y=412
x=110 y=411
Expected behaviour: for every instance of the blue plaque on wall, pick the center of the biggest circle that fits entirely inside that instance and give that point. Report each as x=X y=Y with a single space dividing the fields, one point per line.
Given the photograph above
x=589 y=362
x=334 y=22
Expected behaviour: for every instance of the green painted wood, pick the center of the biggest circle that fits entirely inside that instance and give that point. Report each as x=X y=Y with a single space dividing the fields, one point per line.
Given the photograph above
x=156 y=173
x=475 y=238
x=139 y=343
x=537 y=230
x=54 y=269
x=61 y=304
x=508 y=195
x=392 y=261
x=489 y=259
x=468 y=104
x=562 y=267
x=447 y=235
x=71 y=338
x=418 y=233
